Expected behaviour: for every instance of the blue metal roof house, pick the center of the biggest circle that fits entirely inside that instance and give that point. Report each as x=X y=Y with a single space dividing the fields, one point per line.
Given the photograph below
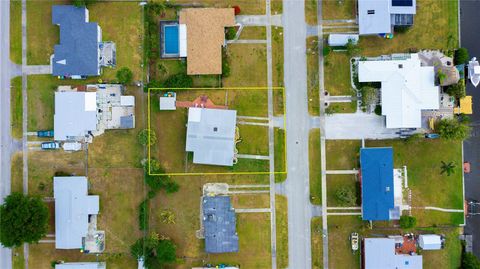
x=81 y=52
x=377 y=184
x=219 y=224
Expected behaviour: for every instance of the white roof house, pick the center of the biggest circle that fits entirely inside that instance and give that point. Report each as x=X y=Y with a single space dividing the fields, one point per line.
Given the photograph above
x=407 y=89
x=81 y=265
x=380 y=253
x=211 y=135
x=430 y=241
x=378 y=16
x=73 y=206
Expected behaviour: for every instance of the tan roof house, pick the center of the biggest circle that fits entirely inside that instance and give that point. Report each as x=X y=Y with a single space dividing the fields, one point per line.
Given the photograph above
x=205 y=31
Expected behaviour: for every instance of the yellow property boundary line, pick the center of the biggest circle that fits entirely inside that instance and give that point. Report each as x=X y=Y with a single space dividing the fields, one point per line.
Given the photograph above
x=219 y=173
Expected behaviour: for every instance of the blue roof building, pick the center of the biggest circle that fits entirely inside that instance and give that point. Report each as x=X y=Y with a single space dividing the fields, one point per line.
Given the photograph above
x=219 y=224
x=377 y=184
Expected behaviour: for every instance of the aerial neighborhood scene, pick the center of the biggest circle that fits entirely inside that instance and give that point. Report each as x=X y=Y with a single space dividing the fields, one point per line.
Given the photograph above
x=239 y=134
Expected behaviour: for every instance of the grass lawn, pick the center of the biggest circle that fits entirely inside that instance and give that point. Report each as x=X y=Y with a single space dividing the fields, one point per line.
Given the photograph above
x=121 y=191
x=337 y=74
x=254 y=140
x=42 y=166
x=450 y=256
x=344 y=107
x=311 y=12
x=254 y=32
x=315 y=167
x=41 y=97
x=247 y=7
x=429 y=218
x=16 y=31
x=343 y=154
x=277 y=58
x=251 y=201
x=337 y=182
x=18 y=260
x=17 y=172
x=281 y=211
x=340 y=251
x=280 y=154
x=248 y=65
x=435 y=27
x=276 y=6
x=253 y=229
x=335 y=9
x=423 y=160
x=16 y=107
x=317 y=243
x=312 y=76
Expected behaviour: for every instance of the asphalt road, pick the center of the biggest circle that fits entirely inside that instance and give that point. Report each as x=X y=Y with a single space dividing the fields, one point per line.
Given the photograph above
x=470 y=39
x=5 y=137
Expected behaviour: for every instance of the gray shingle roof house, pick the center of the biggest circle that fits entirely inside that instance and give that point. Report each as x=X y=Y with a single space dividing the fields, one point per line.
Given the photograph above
x=379 y=16
x=73 y=207
x=211 y=135
x=81 y=51
x=380 y=253
x=81 y=265
x=219 y=223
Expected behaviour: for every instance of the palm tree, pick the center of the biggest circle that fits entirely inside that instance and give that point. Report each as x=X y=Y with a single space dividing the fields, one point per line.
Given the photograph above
x=448 y=168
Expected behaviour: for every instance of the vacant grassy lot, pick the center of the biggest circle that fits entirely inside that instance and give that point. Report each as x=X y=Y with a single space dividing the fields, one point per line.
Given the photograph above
x=315 y=167
x=16 y=107
x=254 y=140
x=280 y=154
x=251 y=201
x=277 y=58
x=281 y=214
x=317 y=243
x=338 y=9
x=248 y=65
x=312 y=76
x=337 y=182
x=435 y=27
x=247 y=7
x=43 y=165
x=311 y=12
x=254 y=32
x=340 y=251
x=17 y=172
x=450 y=256
x=423 y=160
x=16 y=31
x=337 y=74
x=343 y=154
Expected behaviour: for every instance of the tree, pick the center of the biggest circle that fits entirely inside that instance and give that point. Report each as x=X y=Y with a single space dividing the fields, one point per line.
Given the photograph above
x=82 y=3
x=461 y=56
x=143 y=214
x=352 y=48
x=124 y=75
x=155 y=252
x=230 y=33
x=326 y=50
x=369 y=95
x=237 y=10
x=469 y=261
x=346 y=196
x=145 y=134
x=448 y=168
x=452 y=129
x=23 y=219
x=441 y=76
x=407 y=222
x=457 y=90
x=178 y=81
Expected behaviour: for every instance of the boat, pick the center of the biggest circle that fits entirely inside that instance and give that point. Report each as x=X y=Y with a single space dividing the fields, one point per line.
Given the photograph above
x=474 y=71
x=354 y=241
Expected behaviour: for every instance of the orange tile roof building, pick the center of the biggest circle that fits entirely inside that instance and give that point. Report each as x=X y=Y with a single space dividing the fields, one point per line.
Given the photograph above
x=205 y=30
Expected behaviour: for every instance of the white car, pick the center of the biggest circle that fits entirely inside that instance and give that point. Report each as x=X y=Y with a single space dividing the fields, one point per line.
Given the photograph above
x=354 y=241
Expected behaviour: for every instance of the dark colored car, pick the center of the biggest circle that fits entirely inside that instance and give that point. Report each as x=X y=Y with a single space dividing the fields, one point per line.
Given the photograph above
x=45 y=133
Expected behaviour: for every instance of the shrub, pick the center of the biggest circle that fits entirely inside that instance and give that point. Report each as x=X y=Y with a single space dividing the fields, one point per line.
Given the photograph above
x=352 y=48
x=452 y=129
x=469 y=261
x=457 y=90
x=369 y=95
x=378 y=110
x=400 y=29
x=23 y=219
x=237 y=10
x=407 y=222
x=230 y=33
x=326 y=50
x=124 y=75
x=331 y=109
x=225 y=64
x=178 y=81
x=461 y=56
x=346 y=196
x=82 y=3
x=143 y=214
x=156 y=252
x=144 y=135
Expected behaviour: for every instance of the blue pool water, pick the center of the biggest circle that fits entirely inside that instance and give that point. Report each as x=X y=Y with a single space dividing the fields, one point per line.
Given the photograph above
x=171 y=39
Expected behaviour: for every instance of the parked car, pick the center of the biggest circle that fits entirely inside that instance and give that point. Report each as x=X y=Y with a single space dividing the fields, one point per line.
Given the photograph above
x=45 y=133
x=50 y=145
x=473 y=208
x=72 y=146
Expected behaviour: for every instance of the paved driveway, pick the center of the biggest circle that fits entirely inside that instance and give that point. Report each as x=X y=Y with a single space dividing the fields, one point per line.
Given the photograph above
x=357 y=126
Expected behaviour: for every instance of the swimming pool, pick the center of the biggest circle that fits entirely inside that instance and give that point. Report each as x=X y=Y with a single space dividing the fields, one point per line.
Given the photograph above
x=171 y=42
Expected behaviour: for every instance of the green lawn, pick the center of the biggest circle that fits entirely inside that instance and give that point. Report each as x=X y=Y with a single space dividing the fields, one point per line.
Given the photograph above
x=450 y=256
x=17 y=172
x=317 y=243
x=337 y=182
x=41 y=92
x=251 y=201
x=281 y=214
x=16 y=31
x=311 y=12
x=248 y=65
x=342 y=154
x=312 y=76
x=277 y=57
x=337 y=74
x=343 y=107
x=254 y=32
x=429 y=218
x=315 y=167
x=250 y=7
x=254 y=140
x=16 y=107
x=18 y=260
x=280 y=154
x=276 y=6
x=335 y=9
x=423 y=160
x=340 y=253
